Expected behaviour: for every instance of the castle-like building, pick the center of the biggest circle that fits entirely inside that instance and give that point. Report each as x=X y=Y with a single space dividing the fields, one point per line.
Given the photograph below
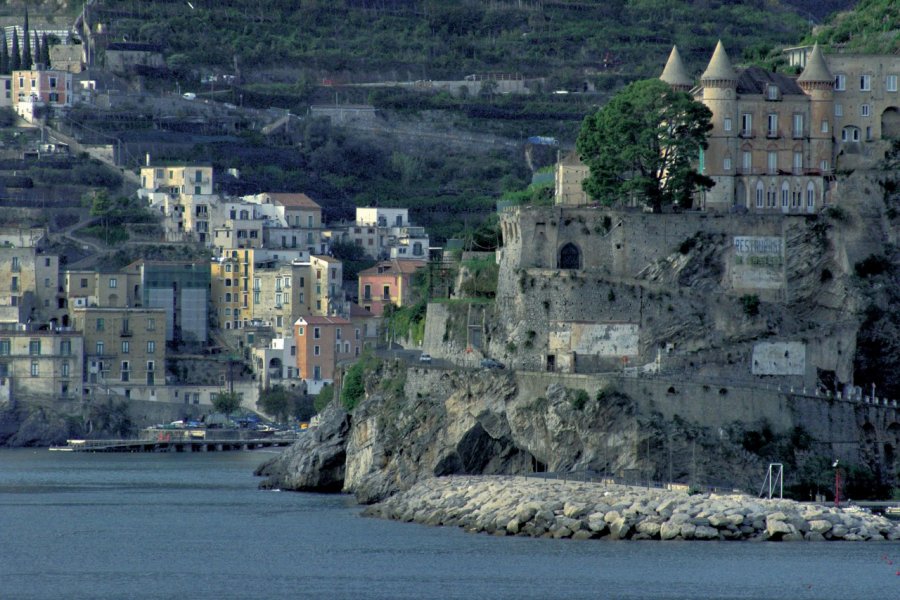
x=776 y=138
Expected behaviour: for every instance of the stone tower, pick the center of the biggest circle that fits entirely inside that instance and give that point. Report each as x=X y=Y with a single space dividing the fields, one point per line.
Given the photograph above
x=719 y=94
x=675 y=74
x=817 y=82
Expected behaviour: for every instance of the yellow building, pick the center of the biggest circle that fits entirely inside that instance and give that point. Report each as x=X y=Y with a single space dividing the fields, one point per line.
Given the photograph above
x=124 y=350
x=176 y=180
x=29 y=286
x=569 y=175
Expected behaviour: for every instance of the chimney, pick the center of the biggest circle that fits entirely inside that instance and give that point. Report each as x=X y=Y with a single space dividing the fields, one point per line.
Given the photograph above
x=147 y=159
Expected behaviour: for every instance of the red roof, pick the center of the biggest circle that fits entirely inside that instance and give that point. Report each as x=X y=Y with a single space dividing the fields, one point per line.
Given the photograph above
x=394 y=267
x=319 y=320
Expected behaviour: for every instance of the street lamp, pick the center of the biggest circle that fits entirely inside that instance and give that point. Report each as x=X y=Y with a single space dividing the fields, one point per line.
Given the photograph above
x=837 y=482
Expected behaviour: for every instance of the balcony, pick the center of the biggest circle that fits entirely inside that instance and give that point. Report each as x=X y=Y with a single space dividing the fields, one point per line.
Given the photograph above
x=773 y=134
x=126 y=333
x=746 y=133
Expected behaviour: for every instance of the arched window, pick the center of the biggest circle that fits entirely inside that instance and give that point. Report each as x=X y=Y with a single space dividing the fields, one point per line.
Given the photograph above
x=759 y=194
x=569 y=257
x=810 y=197
x=785 y=193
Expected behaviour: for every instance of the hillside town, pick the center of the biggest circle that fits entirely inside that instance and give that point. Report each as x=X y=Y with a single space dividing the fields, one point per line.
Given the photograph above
x=232 y=289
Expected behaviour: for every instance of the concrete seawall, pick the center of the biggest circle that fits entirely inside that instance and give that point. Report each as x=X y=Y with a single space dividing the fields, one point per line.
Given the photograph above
x=557 y=509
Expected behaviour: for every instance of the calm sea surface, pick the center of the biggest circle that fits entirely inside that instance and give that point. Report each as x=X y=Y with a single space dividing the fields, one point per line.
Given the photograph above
x=194 y=526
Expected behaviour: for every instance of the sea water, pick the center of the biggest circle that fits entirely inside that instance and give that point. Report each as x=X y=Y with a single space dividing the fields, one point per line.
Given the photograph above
x=193 y=526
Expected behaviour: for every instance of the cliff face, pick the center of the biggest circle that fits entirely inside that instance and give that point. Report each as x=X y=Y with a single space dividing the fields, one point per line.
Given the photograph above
x=487 y=422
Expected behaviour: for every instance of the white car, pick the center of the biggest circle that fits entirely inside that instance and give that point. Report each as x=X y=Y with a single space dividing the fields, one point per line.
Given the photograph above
x=425 y=358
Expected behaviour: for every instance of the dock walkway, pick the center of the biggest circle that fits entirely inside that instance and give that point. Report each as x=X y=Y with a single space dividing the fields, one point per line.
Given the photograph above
x=174 y=445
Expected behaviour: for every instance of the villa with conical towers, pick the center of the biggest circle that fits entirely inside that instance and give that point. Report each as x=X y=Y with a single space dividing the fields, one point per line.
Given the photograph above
x=770 y=149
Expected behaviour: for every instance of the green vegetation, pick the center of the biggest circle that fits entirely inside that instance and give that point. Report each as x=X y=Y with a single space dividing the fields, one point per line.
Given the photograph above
x=875 y=264
x=227 y=402
x=642 y=144
x=323 y=398
x=481 y=280
x=276 y=401
x=750 y=304
x=432 y=39
x=114 y=215
x=577 y=398
x=870 y=28
x=406 y=322
x=353 y=257
x=354 y=386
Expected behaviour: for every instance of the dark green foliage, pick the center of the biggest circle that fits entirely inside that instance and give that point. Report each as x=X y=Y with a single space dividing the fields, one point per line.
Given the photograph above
x=578 y=398
x=353 y=257
x=406 y=321
x=750 y=304
x=354 y=387
x=869 y=28
x=836 y=213
x=4 y=54
x=276 y=402
x=27 y=59
x=687 y=245
x=227 y=402
x=15 y=60
x=111 y=418
x=642 y=145
x=324 y=398
x=873 y=265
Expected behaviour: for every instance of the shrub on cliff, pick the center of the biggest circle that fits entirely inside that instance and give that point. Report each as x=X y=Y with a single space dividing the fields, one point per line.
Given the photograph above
x=354 y=388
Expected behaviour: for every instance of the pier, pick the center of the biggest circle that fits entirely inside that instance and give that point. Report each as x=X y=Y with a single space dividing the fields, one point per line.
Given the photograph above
x=174 y=445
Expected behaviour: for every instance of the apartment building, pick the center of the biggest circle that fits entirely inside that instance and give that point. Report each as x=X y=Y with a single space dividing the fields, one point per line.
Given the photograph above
x=323 y=345
x=41 y=362
x=388 y=282
x=29 y=286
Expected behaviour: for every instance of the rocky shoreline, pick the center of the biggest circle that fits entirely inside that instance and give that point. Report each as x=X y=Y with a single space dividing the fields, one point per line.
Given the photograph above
x=501 y=505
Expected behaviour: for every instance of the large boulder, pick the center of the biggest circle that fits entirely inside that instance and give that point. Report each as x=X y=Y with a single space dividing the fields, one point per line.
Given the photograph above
x=315 y=463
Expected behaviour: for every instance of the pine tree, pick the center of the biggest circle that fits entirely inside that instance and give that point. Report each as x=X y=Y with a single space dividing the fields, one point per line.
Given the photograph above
x=27 y=59
x=4 y=54
x=45 y=51
x=38 y=52
x=15 y=61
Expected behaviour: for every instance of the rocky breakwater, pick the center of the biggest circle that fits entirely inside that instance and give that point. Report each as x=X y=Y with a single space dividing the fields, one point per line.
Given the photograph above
x=558 y=509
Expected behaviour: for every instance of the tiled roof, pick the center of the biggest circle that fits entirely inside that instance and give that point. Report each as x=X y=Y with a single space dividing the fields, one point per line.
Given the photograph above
x=293 y=200
x=754 y=80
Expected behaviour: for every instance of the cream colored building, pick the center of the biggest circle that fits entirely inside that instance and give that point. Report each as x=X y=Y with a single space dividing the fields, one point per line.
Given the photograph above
x=770 y=149
x=42 y=363
x=29 y=286
x=124 y=351
x=176 y=180
x=568 y=177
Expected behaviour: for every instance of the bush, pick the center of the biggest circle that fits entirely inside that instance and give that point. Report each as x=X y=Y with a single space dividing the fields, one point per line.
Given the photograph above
x=578 y=399
x=750 y=304
x=875 y=264
x=324 y=397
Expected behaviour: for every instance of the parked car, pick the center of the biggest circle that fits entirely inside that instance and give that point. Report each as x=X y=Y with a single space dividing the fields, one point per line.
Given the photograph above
x=490 y=363
x=425 y=358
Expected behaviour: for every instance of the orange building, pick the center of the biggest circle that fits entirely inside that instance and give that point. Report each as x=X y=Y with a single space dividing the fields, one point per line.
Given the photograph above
x=323 y=343
x=48 y=86
x=388 y=282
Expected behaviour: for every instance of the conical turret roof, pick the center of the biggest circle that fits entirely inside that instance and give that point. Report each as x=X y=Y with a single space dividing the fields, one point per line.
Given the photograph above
x=816 y=70
x=719 y=67
x=675 y=74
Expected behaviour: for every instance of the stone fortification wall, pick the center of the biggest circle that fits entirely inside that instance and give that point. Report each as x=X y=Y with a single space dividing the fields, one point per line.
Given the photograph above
x=702 y=290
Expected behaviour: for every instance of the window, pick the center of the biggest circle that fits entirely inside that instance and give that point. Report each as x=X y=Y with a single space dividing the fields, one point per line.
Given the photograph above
x=772 y=125
x=868 y=136
x=864 y=110
x=5 y=347
x=278 y=300
x=151 y=366
x=151 y=347
x=772 y=162
x=228 y=297
x=386 y=292
x=34 y=347
x=300 y=331
x=810 y=196
x=840 y=83
x=35 y=368
x=151 y=324
x=890 y=83
x=126 y=376
x=824 y=126
x=747 y=161
x=53 y=82
x=316 y=333
x=798 y=125
x=726 y=163
x=315 y=351
x=798 y=162
x=865 y=83
x=771 y=197
x=825 y=166
x=279 y=321
x=309 y=218
x=838 y=110
x=337 y=333
x=14 y=285
x=356 y=333
x=772 y=92
x=15 y=264
x=293 y=350
x=100 y=347
x=46 y=282
x=84 y=282
x=317 y=373
x=101 y=325
x=256 y=297
x=64 y=368
x=113 y=282
x=126 y=347
x=785 y=192
x=197 y=189
x=726 y=124
x=746 y=124
x=850 y=134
